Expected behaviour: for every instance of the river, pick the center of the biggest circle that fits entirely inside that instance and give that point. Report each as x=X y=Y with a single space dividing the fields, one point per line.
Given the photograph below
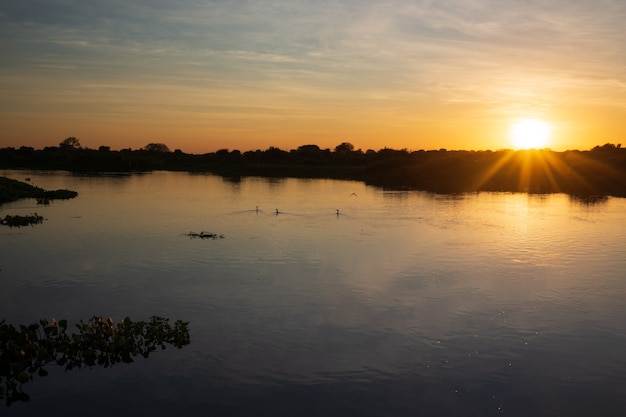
x=349 y=301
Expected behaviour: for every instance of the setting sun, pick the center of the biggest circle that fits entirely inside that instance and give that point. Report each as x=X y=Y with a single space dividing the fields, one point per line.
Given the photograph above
x=530 y=133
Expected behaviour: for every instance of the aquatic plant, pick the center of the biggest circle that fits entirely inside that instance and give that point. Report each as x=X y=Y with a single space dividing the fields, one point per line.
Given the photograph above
x=19 y=221
x=204 y=235
x=25 y=350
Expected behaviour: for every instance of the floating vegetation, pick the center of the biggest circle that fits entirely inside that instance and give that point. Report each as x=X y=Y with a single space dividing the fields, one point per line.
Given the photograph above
x=20 y=221
x=25 y=350
x=203 y=235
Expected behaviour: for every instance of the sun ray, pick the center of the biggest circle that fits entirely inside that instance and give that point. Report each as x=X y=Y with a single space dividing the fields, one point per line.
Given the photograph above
x=538 y=171
x=494 y=170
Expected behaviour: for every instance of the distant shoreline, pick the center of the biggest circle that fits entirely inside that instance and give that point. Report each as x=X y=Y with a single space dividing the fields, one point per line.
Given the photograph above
x=600 y=171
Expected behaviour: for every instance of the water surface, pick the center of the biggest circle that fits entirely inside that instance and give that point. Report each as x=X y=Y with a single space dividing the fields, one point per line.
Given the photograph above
x=403 y=304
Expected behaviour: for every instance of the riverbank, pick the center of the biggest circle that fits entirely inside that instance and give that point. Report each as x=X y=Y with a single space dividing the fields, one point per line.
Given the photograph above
x=12 y=190
x=600 y=171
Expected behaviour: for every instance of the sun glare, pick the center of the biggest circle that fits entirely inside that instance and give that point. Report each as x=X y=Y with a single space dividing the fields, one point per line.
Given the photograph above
x=530 y=133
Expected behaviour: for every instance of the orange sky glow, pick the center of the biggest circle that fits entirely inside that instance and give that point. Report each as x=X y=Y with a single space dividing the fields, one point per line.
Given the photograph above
x=203 y=76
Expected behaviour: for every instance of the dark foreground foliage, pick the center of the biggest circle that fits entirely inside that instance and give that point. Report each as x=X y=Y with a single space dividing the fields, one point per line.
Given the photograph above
x=11 y=190
x=25 y=350
x=20 y=221
x=600 y=171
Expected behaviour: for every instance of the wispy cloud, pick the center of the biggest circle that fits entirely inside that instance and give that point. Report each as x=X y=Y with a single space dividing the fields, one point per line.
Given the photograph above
x=393 y=55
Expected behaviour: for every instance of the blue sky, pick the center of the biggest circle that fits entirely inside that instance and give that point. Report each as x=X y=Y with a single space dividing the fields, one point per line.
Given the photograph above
x=204 y=75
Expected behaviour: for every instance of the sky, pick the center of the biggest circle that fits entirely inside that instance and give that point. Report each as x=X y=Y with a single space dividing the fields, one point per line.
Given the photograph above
x=200 y=76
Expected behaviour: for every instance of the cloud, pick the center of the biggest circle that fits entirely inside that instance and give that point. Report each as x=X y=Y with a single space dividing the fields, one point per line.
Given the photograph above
x=386 y=56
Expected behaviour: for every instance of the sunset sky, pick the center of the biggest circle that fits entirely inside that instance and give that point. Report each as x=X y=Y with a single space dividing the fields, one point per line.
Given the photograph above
x=205 y=75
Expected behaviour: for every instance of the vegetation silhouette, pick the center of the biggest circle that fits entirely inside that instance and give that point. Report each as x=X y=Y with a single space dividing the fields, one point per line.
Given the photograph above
x=11 y=190
x=600 y=171
x=25 y=350
x=204 y=235
x=21 y=221
x=156 y=147
x=70 y=143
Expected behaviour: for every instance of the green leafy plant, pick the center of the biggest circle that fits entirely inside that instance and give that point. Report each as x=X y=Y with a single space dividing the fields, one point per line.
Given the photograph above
x=25 y=350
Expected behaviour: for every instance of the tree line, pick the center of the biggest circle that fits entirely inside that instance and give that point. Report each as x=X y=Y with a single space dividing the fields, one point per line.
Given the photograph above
x=70 y=155
x=598 y=171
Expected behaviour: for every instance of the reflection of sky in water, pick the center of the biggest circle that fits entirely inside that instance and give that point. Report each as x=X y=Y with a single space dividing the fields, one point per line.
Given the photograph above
x=404 y=301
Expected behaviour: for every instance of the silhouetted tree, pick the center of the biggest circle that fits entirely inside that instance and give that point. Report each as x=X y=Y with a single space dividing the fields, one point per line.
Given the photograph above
x=275 y=154
x=308 y=149
x=388 y=153
x=309 y=153
x=70 y=143
x=344 y=147
x=156 y=147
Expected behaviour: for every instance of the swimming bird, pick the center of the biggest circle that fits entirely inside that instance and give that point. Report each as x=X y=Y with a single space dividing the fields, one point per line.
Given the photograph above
x=337 y=212
x=277 y=212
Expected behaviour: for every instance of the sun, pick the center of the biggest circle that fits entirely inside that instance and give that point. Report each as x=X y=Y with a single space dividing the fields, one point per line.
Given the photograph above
x=530 y=134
